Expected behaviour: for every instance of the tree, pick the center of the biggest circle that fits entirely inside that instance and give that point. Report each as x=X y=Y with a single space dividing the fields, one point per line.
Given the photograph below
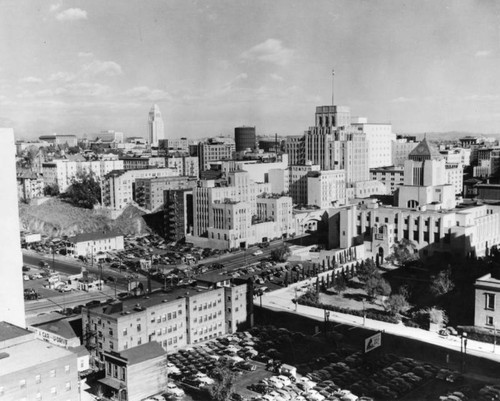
x=377 y=286
x=223 y=387
x=367 y=270
x=396 y=304
x=51 y=190
x=84 y=191
x=339 y=285
x=442 y=283
x=280 y=254
x=403 y=252
x=437 y=316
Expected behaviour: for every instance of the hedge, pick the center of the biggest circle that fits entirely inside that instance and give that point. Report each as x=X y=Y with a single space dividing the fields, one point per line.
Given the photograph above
x=369 y=314
x=479 y=334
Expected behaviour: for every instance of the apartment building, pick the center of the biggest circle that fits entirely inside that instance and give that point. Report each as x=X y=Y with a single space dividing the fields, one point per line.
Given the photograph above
x=140 y=163
x=214 y=149
x=298 y=182
x=60 y=140
x=487 y=301
x=379 y=138
x=401 y=148
x=184 y=165
x=149 y=192
x=90 y=244
x=178 y=214
x=61 y=172
x=390 y=176
x=326 y=189
x=174 y=320
x=294 y=148
x=34 y=370
x=279 y=180
x=118 y=187
x=29 y=185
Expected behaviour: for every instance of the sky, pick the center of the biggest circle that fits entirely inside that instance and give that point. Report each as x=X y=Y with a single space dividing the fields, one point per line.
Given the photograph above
x=79 y=67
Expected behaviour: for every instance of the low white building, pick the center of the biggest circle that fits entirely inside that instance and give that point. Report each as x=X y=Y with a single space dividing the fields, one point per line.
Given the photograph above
x=90 y=244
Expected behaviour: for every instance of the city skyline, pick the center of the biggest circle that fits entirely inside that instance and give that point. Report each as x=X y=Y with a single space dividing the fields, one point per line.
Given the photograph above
x=80 y=67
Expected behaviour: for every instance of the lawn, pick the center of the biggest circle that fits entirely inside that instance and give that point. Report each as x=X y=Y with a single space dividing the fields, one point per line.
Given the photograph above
x=351 y=298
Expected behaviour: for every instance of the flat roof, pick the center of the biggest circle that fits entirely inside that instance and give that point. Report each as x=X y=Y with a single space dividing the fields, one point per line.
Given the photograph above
x=98 y=235
x=9 y=331
x=213 y=277
x=61 y=328
x=143 y=352
x=29 y=354
x=130 y=305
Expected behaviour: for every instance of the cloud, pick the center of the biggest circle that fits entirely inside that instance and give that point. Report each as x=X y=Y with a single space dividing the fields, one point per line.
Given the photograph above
x=85 y=54
x=55 y=6
x=30 y=80
x=97 y=67
x=87 y=89
x=72 y=14
x=271 y=51
x=62 y=76
x=403 y=99
x=483 y=53
x=146 y=93
x=277 y=77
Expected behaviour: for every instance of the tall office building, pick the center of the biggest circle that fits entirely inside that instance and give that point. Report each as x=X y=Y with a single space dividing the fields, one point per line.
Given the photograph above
x=11 y=261
x=156 y=129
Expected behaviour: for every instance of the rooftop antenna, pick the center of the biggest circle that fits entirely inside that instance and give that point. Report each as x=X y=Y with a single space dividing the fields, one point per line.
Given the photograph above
x=333 y=87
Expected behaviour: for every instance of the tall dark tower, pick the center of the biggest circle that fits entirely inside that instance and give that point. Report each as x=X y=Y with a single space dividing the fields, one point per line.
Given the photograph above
x=244 y=138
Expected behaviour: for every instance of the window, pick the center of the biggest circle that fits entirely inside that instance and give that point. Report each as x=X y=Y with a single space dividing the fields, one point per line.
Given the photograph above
x=490 y=301
x=22 y=383
x=66 y=369
x=124 y=332
x=489 y=320
x=38 y=379
x=53 y=373
x=68 y=386
x=38 y=396
x=53 y=391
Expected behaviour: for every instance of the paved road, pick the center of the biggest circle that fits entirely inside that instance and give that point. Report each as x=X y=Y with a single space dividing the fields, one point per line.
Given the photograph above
x=281 y=300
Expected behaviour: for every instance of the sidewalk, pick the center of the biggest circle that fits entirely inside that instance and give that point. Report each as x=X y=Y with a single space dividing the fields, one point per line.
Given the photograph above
x=281 y=300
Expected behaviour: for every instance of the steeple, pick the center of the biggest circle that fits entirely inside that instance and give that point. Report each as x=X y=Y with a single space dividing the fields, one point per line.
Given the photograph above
x=424 y=151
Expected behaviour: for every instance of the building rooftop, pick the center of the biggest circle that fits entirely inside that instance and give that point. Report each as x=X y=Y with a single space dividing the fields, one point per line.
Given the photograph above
x=213 y=277
x=95 y=236
x=61 y=328
x=9 y=331
x=138 y=304
x=425 y=150
x=143 y=352
x=30 y=354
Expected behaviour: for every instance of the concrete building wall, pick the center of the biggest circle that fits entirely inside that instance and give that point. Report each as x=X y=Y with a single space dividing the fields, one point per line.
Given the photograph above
x=11 y=279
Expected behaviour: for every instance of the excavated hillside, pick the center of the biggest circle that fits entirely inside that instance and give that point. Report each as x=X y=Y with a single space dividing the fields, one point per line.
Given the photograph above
x=56 y=218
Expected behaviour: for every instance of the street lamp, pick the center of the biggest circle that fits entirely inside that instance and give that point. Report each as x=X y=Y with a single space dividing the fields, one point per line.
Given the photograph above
x=463 y=348
x=327 y=319
x=364 y=312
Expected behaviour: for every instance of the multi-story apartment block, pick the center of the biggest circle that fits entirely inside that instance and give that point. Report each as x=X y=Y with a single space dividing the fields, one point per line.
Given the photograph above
x=276 y=208
x=401 y=148
x=455 y=176
x=118 y=187
x=184 y=165
x=61 y=172
x=29 y=185
x=32 y=369
x=176 y=145
x=390 y=176
x=487 y=301
x=298 y=182
x=214 y=150
x=140 y=163
x=149 y=192
x=326 y=189
x=92 y=243
x=56 y=139
x=178 y=214
x=380 y=138
x=280 y=180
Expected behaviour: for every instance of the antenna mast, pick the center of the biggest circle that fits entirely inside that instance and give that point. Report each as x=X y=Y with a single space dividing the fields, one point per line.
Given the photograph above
x=333 y=86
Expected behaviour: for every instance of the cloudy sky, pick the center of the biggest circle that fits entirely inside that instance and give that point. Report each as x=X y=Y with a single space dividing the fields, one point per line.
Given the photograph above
x=82 y=66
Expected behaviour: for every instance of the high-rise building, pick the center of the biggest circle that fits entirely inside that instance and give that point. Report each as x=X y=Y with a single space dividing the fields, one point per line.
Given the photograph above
x=380 y=138
x=11 y=279
x=244 y=138
x=156 y=129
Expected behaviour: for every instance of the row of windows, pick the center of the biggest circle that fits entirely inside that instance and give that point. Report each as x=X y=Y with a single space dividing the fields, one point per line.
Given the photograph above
x=22 y=385
x=206 y=317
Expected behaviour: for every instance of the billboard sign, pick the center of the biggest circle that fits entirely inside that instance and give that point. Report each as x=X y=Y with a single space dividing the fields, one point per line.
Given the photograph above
x=373 y=342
